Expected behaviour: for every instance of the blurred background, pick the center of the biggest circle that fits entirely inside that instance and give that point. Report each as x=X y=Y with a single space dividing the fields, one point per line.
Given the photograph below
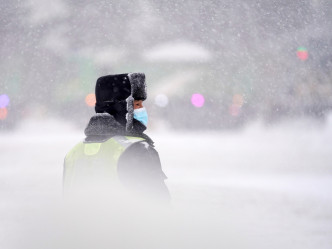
x=209 y=64
x=239 y=104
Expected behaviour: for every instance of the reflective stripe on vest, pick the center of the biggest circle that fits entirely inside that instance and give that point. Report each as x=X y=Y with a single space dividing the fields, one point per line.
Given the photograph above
x=89 y=162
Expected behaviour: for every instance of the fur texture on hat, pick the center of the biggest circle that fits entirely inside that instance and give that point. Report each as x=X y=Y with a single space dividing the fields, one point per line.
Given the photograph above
x=115 y=94
x=138 y=92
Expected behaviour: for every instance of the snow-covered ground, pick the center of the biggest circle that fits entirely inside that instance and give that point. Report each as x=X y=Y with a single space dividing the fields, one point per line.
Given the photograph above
x=255 y=188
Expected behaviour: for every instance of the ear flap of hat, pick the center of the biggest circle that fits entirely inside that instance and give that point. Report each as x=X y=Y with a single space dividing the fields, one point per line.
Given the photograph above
x=138 y=86
x=130 y=113
x=138 y=92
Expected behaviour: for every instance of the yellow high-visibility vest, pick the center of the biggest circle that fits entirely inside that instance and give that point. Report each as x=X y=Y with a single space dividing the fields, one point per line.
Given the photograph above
x=90 y=163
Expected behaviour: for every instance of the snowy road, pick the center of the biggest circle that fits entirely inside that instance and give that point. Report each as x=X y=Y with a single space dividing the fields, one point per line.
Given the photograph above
x=256 y=188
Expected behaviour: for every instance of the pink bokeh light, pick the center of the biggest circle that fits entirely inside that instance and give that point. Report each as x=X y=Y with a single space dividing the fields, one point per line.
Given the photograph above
x=197 y=100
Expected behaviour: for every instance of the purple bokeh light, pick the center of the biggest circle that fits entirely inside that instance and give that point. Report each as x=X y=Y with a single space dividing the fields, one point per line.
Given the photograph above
x=197 y=100
x=4 y=101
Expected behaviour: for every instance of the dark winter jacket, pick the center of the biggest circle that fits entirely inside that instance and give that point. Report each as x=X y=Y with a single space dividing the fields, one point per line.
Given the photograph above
x=139 y=167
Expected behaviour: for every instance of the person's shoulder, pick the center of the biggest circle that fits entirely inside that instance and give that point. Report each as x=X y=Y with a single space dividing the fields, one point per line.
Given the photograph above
x=140 y=149
x=141 y=146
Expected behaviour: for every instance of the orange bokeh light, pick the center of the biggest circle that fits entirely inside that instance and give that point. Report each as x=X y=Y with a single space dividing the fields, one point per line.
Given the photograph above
x=3 y=113
x=90 y=99
x=237 y=103
x=238 y=100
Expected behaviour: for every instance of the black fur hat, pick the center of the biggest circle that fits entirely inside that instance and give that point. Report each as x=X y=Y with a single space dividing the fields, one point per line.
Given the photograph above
x=115 y=94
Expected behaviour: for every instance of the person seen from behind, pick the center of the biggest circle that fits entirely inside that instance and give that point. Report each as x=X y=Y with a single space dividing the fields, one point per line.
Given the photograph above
x=116 y=154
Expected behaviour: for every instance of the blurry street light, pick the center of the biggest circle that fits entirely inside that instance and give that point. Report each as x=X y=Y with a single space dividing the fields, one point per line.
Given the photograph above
x=3 y=113
x=197 y=100
x=238 y=100
x=90 y=99
x=4 y=101
x=161 y=100
x=302 y=53
x=236 y=105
